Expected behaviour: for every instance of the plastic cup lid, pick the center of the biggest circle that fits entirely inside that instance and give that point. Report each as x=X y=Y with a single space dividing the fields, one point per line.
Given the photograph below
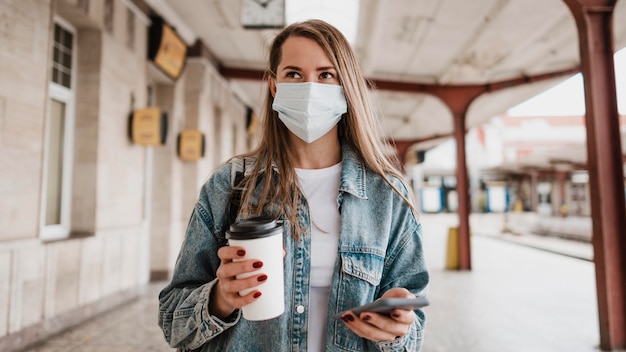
x=257 y=227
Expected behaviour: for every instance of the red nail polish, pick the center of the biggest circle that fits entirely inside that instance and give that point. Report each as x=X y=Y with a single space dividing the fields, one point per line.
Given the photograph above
x=349 y=317
x=241 y=252
x=396 y=314
x=257 y=265
x=366 y=318
x=256 y=294
x=261 y=278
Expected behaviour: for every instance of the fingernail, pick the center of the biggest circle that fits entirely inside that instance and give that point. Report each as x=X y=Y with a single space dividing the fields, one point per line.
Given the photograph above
x=396 y=314
x=261 y=278
x=345 y=319
x=257 y=265
x=257 y=294
x=348 y=317
x=241 y=252
x=366 y=317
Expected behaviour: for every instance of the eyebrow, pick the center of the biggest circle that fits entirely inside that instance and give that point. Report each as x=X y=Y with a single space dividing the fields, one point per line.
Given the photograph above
x=296 y=68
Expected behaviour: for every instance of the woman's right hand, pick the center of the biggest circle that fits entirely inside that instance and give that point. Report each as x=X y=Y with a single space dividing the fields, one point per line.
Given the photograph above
x=225 y=296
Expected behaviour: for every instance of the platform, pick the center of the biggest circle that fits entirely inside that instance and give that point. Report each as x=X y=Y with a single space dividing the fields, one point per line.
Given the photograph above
x=515 y=299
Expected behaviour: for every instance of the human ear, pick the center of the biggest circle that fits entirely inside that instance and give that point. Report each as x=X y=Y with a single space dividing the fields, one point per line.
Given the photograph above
x=271 y=81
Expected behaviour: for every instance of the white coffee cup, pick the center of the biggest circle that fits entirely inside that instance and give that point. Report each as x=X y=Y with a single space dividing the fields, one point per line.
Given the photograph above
x=262 y=238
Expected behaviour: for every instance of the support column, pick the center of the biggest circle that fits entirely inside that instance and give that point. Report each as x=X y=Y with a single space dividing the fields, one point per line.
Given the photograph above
x=458 y=100
x=462 y=188
x=604 y=158
x=560 y=179
x=401 y=149
x=163 y=167
x=534 y=196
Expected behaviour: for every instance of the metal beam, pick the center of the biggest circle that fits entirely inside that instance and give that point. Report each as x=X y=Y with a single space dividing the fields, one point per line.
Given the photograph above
x=416 y=87
x=604 y=159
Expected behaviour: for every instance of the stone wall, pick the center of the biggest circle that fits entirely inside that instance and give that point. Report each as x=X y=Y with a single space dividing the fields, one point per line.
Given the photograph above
x=130 y=203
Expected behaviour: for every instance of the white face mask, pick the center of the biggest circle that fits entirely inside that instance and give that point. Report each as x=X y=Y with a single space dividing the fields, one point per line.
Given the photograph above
x=309 y=110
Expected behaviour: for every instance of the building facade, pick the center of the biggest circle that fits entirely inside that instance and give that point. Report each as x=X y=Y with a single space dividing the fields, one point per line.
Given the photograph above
x=88 y=216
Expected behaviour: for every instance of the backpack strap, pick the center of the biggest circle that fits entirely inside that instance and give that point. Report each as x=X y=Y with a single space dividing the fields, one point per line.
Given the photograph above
x=237 y=173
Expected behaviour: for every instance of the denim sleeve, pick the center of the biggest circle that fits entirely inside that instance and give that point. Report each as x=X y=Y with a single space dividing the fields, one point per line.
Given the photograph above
x=406 y=267
x=184 y=314
x=412 y=341
x=408 y=271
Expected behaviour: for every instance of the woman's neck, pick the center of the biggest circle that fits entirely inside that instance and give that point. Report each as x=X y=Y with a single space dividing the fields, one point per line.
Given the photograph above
x=322 y=153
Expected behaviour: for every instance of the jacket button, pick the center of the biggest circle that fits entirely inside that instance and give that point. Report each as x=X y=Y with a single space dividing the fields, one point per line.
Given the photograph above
x=300 y=309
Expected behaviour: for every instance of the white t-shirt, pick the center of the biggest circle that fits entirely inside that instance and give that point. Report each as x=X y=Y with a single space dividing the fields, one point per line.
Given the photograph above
x=321 y=188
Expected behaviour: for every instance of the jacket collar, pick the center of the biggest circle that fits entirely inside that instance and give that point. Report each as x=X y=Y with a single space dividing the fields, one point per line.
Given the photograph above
x=353 y=172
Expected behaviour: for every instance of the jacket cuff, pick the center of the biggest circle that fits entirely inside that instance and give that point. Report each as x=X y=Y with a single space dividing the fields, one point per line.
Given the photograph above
x=213 y=324
x=412 y=341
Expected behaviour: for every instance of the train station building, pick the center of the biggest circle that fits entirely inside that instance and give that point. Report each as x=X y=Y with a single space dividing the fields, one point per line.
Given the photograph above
x=113 y=114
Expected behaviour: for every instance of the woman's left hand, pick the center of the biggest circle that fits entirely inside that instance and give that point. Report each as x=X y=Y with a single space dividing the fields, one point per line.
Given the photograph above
x=378 y=327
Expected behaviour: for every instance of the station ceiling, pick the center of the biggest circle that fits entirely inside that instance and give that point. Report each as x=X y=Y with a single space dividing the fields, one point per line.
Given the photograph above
x=415 y=43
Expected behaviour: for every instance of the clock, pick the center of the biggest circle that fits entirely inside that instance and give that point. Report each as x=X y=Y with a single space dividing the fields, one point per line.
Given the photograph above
x=261 y=14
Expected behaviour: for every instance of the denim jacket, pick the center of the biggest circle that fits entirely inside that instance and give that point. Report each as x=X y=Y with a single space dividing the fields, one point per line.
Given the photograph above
x=380 y=247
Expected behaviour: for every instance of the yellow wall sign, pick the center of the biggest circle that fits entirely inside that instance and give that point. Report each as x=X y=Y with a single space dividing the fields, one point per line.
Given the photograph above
x=148 y=126
x=190 y=145
x=172 y=52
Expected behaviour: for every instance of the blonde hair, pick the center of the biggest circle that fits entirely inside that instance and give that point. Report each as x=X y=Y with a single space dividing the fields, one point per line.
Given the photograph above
x=359 y=127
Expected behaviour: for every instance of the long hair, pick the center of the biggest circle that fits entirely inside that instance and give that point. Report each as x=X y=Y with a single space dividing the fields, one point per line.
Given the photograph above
x=359 y=127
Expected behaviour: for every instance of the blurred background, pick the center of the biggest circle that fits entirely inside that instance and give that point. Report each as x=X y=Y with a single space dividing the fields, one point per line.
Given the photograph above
x=113 y=113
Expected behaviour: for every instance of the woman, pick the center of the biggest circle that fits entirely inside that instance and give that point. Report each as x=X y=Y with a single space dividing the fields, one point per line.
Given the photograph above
x=351 y=231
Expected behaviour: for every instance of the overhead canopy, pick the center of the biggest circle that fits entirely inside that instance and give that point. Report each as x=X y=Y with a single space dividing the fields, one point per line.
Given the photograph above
x=415 y=42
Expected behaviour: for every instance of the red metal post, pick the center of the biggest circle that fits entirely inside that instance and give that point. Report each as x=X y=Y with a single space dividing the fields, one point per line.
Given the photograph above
x=560 y=179
x=604 y=158
x=462 y=190
x=458 y=100
x=401 y=149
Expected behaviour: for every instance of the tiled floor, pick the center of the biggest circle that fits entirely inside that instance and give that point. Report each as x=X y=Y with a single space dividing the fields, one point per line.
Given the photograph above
x=515 y=299
x=131 y=327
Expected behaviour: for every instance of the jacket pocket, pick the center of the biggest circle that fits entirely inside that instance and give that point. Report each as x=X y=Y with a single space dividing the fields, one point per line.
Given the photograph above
x=364 y=266
x=361 y=273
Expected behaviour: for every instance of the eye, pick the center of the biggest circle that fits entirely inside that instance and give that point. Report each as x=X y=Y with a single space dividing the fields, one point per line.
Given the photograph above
x=293 y=74
x=327 y=75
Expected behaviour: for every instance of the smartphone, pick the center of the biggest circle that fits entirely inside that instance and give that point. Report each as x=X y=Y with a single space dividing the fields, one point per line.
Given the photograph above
x=386 y=305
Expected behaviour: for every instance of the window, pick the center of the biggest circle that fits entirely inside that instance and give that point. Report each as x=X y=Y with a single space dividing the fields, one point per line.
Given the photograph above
x=62 y=56
x=58 y=147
